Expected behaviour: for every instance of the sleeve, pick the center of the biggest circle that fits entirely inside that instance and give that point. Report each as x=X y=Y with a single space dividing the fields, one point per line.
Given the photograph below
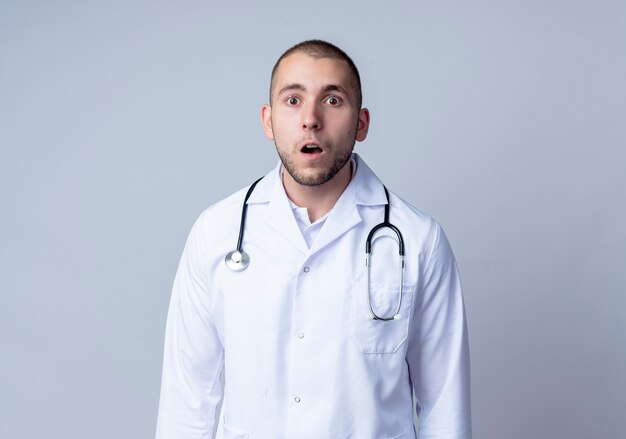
x=193 y=356
x=438 y=351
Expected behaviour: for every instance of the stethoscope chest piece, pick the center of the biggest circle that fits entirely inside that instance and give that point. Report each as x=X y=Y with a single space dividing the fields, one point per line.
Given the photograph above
x=237 y=260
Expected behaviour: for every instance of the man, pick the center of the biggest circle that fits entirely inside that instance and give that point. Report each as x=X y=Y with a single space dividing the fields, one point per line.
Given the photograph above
x=313 y=343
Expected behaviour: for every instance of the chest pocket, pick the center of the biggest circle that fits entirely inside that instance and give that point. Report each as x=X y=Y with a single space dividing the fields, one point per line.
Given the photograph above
x=378 y=336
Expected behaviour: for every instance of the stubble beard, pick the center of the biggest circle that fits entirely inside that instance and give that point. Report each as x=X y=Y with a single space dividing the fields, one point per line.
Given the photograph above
x=339 y=161
x=333 y=169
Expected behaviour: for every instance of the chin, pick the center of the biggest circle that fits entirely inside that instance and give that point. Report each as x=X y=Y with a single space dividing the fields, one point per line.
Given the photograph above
x=311 y=180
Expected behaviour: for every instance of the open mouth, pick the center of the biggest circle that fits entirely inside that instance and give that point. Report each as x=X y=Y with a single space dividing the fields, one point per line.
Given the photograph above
x=311 y=149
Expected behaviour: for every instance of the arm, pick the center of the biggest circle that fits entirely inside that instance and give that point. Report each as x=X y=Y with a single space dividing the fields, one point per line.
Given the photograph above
x=193 y=355
x=438 y=353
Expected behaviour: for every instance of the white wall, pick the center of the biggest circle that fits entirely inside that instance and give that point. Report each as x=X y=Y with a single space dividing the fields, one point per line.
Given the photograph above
x=121 y=120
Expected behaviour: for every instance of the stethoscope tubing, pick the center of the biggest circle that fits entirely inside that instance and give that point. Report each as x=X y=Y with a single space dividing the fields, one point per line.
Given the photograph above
x=368 y=252
x=244 y=212
x=238 y=259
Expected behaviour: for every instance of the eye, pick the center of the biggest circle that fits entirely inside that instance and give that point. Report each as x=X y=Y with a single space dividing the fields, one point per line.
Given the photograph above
x=333 y=100
x=292 y=100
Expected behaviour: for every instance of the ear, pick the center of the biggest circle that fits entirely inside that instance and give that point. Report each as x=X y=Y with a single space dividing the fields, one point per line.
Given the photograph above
x=266 y=120
x=364 y=124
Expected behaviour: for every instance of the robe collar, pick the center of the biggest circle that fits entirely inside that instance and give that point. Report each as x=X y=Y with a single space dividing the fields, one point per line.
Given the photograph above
x=364 y=189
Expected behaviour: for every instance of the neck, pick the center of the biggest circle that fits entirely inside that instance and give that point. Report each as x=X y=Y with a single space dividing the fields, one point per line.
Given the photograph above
x=318 y=200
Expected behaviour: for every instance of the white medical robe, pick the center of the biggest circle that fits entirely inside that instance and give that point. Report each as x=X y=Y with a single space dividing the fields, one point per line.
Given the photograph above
x=293 y=332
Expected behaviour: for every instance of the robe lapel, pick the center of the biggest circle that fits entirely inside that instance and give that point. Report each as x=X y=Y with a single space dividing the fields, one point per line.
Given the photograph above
x=342 y=218
x=282 y=219
x=364 y=189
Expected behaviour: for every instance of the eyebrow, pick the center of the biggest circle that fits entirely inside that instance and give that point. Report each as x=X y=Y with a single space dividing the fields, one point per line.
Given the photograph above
x=289 y=87
x=334 y=87
x=300 y=87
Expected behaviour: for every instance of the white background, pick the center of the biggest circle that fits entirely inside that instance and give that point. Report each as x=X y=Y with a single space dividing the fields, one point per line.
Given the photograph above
x=120 y=121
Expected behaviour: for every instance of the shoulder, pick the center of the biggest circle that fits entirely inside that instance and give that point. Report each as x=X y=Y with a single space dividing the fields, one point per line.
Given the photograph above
x=228 y=210
x=420 y=227
x=219 y=220
x=413 y=218
x=223 y=210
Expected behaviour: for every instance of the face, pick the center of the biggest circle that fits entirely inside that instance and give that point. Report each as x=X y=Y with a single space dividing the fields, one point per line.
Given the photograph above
x=313 y=118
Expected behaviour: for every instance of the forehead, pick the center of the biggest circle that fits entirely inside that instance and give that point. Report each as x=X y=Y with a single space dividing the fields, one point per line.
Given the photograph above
x=312 y=73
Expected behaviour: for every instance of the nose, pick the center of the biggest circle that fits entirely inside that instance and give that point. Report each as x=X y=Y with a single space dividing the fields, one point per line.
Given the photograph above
x=311 y=117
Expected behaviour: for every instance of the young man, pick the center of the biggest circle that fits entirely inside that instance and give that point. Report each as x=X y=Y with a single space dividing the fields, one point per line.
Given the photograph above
x=314 y=343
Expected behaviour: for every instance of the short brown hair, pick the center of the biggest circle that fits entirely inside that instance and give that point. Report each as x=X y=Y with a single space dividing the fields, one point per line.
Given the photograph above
x=322 y=49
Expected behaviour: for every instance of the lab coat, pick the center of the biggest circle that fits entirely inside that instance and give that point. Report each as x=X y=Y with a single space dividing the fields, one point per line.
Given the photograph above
x=293 y=333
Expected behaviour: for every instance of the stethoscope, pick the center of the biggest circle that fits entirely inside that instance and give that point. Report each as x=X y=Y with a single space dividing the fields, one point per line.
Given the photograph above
x=238 y=259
